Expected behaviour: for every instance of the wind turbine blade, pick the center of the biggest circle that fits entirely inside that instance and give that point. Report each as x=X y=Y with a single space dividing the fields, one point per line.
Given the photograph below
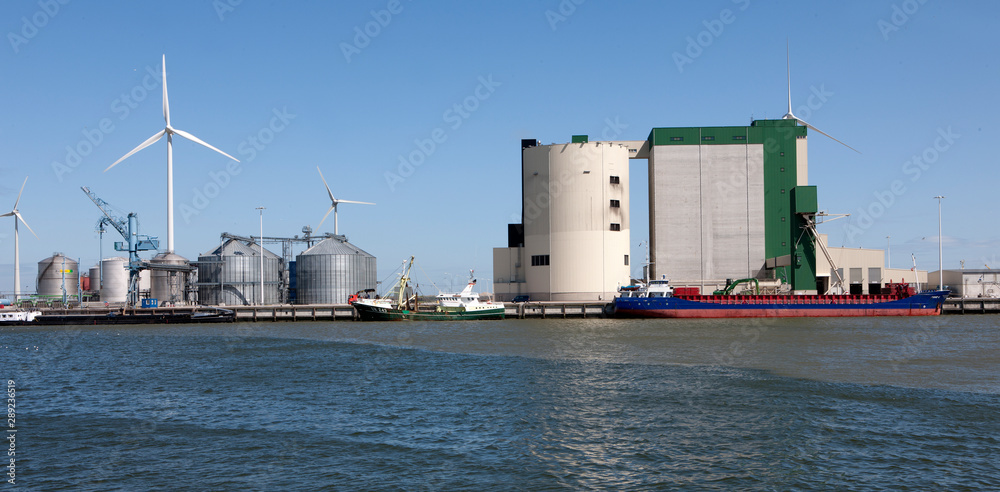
x=19 y=193
x=352 y=201
x=328 y=192
x=788 y=77
x=166 y=105
x=826 y=134
x=325 y=216
x=199 y=141
x=18 y=215
x=147 y=143
x=8 y=214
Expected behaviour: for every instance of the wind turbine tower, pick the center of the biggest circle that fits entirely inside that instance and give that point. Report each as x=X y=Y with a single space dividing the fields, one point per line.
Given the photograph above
x=169 y=131
x=17 y=251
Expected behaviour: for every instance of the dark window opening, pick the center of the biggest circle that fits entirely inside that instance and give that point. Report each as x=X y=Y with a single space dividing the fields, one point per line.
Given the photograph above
x=616 y=227
x=615 y=180
x=626 y=259
x=616 y=204
x=539 y=260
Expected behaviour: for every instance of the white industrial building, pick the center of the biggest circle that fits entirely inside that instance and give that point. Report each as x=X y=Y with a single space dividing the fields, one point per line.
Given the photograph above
x=573 y=242
x=863 y=271
x=982 y=283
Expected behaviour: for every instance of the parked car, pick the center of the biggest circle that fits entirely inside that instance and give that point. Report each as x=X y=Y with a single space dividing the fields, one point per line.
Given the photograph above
x=522 y=298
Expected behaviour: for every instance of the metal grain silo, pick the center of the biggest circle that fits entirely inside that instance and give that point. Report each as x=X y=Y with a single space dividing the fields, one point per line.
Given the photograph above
x=332 y=270
x=230 y=275
x=168 y=278
x=95 y=278
x=115 y=274
x=55 y=272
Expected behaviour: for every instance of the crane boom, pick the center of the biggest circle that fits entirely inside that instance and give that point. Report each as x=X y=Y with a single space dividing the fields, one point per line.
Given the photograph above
x=120 y=224
x=134 y=243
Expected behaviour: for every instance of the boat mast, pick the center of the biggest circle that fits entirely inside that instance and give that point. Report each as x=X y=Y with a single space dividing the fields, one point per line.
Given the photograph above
x=404 y=279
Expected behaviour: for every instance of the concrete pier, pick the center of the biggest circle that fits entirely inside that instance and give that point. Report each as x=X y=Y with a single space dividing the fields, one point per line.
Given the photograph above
x=532 y=310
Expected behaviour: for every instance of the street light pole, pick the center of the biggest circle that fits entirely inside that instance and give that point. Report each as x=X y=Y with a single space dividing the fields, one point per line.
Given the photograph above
x=261 y=300
x=940 y=247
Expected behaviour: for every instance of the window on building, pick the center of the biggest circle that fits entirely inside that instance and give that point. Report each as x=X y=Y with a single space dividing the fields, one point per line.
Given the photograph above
x=616 y=204
x=615 y=180
x=626 y=260
x=539 y=260
x=708 y=138
x=676 y=139
x=616 y=227
x=739 y=137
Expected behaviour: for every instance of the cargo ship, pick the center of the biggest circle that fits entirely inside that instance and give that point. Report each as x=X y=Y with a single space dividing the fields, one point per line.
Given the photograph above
x=657 y=299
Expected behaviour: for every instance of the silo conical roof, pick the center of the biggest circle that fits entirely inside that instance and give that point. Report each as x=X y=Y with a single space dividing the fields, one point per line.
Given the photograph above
x=334 y=245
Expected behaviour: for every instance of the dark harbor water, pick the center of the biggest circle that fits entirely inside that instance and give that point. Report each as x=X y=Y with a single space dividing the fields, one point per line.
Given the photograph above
x=814 y=404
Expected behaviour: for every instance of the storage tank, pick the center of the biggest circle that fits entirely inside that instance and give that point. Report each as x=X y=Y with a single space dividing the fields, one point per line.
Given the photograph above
x=332 y=270
x=115 y=280
x=168 y=285
x=56 y=271
x=230 y=275
x=95 y=278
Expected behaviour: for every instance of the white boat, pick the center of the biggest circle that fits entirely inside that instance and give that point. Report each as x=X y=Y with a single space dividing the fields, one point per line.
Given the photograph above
x=461 y=305
x=16 y=316
x=468 y=304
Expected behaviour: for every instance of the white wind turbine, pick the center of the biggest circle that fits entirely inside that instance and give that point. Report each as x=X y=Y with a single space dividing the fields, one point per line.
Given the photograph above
x=169 y=131
x=334 y=202
x=791 y=116
x=17 y=252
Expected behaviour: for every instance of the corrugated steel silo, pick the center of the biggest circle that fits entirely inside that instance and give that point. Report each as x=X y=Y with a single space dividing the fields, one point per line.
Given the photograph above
x=230 y=275
x=95 y=278
x=54 y=272
x=332 y=270
x=168 y=286
x=115 y=288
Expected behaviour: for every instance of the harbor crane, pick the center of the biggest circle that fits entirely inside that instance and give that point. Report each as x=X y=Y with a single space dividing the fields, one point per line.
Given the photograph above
x=128 y=227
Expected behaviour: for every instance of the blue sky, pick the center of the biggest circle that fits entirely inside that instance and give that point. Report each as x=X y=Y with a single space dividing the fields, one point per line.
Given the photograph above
x=286 y=87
